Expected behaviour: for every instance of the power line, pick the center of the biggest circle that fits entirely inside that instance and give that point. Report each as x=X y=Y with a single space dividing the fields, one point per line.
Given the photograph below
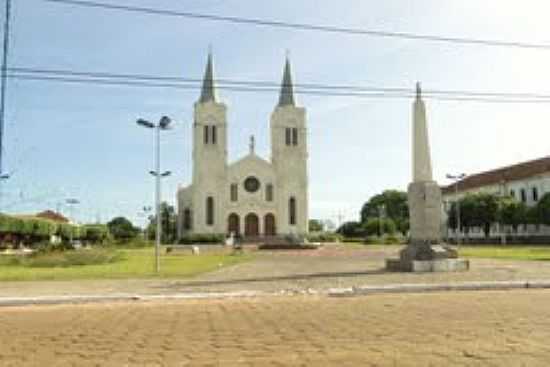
x=303 y=26
x=146 y=84
x=257 y=83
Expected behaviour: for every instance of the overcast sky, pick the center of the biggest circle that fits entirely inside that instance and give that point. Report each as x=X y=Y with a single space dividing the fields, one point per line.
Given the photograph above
x=67 y=140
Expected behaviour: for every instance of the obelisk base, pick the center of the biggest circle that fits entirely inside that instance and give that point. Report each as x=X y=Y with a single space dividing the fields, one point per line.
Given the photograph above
x=427 y=258
x=425 y=252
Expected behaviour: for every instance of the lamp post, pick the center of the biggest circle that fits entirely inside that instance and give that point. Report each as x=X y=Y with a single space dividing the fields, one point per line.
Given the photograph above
x=164 y=124
x=71 y=202
x=381 y=214
x=146 y=210
x=456 y=179
x=3 y=177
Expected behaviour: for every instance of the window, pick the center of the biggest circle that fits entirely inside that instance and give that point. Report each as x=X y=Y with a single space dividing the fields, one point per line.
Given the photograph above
x=523 y=195
x=287 y=135
x=294 y=136
x=292 y=211
x=513 y=194
x=214 y=134
x=251 y=184
x=535 y=194
x=187 y=219
x=210 y=211
x=269 y=192
x=206 y=137
x=234 y=192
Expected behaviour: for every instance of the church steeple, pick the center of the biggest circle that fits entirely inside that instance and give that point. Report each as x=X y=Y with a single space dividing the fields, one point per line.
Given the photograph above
x=286 y=97
x=208 y=92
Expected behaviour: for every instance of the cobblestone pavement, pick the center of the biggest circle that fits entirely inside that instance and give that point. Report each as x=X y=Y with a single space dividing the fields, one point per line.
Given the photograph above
x=330 y=267
x=437 y=329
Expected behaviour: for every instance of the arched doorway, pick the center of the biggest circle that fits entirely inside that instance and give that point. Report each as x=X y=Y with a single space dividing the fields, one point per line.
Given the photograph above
x=269 y=225
x=233 y=224
x=251 y=225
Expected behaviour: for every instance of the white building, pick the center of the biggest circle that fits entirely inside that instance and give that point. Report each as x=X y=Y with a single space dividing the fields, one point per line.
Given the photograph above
x=527 y=182
x=252 y=196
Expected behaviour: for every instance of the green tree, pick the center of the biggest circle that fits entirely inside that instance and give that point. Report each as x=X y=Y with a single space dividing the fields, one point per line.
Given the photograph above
x=543 y=210
x=478 y=210
x=168 y=223
x=378 y=227
x=394 y=202
x=351 y=229
x=122 y=229
x=316 y=225
x=512 y=213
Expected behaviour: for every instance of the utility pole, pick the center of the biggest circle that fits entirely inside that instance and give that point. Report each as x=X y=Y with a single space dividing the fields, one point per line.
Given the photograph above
x=4 y=82
x=163 y=124
x=456 y=179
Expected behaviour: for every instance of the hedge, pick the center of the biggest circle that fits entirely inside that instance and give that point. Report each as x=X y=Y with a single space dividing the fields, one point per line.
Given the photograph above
x=201 y=238
x=37 y=229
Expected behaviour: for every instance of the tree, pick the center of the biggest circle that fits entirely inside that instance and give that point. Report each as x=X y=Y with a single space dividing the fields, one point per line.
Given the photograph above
x=122 y=229
x=168 y=223
x=316 y=225
x=512 y=212
x=543 y=210
x=395 y=205
x=351 y=229
x=379 y=227
x=478 y=210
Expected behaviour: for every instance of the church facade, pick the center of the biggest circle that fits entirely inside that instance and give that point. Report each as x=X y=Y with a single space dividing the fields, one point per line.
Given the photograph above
x=253 y=196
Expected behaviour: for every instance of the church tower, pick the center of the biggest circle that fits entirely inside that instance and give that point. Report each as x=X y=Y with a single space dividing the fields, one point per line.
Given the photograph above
x=209 y=156
x=289 y=156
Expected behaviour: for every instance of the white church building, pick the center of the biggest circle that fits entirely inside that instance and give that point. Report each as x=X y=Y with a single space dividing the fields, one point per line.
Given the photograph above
x=252 y=196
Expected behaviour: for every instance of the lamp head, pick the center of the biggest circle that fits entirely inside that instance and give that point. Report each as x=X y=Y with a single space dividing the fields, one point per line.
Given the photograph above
x=145 y=123
x=164 y=122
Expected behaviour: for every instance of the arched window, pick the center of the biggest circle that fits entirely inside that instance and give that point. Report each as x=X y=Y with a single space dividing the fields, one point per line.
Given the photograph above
x=269 y=192
x=187 y=219
x=294 y=136
x=292 y=211
x=234 y=192
x=210 y=211
x=287 y=136
x=206 y=131
x=535 y=194
x=214 y=134
x=523 y=196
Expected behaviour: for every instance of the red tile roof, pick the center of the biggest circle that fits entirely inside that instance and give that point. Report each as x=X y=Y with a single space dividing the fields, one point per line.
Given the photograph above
x=505 y=174
x=51 y=215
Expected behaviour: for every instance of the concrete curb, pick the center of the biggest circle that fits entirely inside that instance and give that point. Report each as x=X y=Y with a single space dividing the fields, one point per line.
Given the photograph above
x=334 y=292
x=82 y=299
x=442 y=287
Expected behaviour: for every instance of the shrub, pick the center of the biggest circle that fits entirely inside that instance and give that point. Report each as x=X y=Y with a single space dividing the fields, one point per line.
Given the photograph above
x=201 y=238
x=71 y=258
x=392 y=240
x=324 y=237
x=375 y=225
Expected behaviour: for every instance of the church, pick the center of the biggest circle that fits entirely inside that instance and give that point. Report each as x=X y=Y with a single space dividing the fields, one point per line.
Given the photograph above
x=253 y=196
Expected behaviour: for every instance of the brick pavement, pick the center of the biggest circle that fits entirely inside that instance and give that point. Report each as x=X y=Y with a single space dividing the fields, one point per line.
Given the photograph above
x=442 y=329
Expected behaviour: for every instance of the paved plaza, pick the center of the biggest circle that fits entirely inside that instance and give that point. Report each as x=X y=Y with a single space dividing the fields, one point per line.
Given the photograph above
x=437 y=329
x=333 y=266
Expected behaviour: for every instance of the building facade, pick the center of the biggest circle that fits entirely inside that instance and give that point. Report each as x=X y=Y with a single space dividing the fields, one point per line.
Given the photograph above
x=252 y=196
x=527 y=182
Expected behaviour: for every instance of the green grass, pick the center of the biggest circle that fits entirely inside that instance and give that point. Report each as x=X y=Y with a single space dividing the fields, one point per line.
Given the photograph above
x=515 y=252
x=134 y=263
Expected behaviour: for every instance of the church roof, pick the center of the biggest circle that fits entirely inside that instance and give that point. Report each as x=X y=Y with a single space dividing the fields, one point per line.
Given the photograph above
x=253 y=160
x=208 y=92
x=286 y=97
x=514 y=172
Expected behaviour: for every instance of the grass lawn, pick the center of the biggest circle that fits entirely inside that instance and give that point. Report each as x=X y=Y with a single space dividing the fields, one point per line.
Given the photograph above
x=135 y=263
x=513 y=252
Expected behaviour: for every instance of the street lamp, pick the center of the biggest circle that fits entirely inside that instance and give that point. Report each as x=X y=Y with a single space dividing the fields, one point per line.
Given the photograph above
x=164 y=124
x=71 y=202
x=456 y=179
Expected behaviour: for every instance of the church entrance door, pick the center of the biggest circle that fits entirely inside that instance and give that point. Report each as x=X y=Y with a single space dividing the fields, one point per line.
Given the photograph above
x=251 y=225
x=233 y=224
x=269 y=225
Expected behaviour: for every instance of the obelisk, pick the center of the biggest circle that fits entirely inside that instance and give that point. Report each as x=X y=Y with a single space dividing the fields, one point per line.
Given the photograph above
x=424 y=252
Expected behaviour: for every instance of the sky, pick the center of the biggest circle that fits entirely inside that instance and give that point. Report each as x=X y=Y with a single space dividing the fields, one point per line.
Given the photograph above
x=81 y=141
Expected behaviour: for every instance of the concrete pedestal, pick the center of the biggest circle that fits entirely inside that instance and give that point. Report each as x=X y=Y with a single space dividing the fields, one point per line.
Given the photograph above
x=427 y=258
